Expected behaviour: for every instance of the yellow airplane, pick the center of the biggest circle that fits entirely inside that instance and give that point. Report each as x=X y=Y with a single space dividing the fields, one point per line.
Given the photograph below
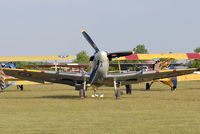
x=164 y=65
x=177 y=56
x=36 y=58
x=6 y=81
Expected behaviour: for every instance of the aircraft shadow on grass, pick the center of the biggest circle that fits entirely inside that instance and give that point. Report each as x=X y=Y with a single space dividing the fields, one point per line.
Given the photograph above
x=194 y=88
x=45 y=97
x=142 y=89
x=59 y=97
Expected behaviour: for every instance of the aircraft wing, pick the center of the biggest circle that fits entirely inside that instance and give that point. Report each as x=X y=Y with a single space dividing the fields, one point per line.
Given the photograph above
x=177 y=56
x=35 y=58
x=49 y=76
x=136 y=77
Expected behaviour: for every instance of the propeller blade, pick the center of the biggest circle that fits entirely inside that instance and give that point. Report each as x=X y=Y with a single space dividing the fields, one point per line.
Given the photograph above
x=119 y=54
x=93 y=74
x=87 y=37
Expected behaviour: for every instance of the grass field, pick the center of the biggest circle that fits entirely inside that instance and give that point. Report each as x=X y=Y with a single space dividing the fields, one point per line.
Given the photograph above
x=49 y=109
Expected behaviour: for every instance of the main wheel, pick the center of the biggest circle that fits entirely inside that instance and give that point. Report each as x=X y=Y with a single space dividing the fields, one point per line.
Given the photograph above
x=118 y=93
x=147 y=86
x=21 y=87
x=128 y=89
x=82 y=93
x=173 y=88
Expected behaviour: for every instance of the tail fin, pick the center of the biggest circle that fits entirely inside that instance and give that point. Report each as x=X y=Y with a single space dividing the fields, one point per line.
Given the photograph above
x=2 y=80
x=163 y=65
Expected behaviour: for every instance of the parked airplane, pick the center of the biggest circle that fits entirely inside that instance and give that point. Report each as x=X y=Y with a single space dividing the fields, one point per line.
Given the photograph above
x=162 y=65
x=176 y=56
x=6 y=81
x=98 y=75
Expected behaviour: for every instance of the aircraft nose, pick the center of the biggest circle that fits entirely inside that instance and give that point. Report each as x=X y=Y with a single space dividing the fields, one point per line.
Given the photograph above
x=102 y=56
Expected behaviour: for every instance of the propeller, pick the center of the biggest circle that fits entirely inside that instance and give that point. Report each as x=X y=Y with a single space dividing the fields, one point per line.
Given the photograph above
x=96 y=64
x=93 y=74
x=110 y=55
x=87 y=37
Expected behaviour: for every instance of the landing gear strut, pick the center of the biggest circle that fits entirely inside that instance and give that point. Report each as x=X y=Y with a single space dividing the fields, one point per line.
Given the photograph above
x=117 y=89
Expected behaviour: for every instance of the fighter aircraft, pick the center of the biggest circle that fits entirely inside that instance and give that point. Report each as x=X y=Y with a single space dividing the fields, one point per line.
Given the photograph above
x=98 y=75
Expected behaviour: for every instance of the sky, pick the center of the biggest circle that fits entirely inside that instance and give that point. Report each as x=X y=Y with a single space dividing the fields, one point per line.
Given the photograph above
x=53 y=27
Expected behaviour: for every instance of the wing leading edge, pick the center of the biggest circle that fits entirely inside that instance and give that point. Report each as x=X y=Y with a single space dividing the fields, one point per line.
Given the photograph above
x=73 y=78
x=49 y=76
x=136 y=77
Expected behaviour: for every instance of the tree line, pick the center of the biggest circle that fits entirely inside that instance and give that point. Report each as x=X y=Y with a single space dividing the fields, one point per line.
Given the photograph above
x=82 y=57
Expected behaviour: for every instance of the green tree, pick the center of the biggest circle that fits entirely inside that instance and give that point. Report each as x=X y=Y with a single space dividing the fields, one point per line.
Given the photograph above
x=82 y=57
x=21 y=64
x=196 y=63
x=197 y=50
x=140 y=49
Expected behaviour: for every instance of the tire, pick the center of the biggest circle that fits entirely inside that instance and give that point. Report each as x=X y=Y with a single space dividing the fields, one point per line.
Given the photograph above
x=173 y=88
x=21 y=87
x=118 y=93
x=81 y=93
x=128 y=89
x=147 y=86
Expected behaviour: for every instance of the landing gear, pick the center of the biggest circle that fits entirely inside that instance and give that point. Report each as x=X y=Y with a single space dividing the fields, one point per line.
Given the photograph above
x=21 y=87
x=148 y=86
x=173 y=88
x=128 y=89
x=82 y=93
x=82 y=90
x=117 y=89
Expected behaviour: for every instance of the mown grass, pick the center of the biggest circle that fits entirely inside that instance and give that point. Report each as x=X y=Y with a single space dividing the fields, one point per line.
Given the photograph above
x=57 y=108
